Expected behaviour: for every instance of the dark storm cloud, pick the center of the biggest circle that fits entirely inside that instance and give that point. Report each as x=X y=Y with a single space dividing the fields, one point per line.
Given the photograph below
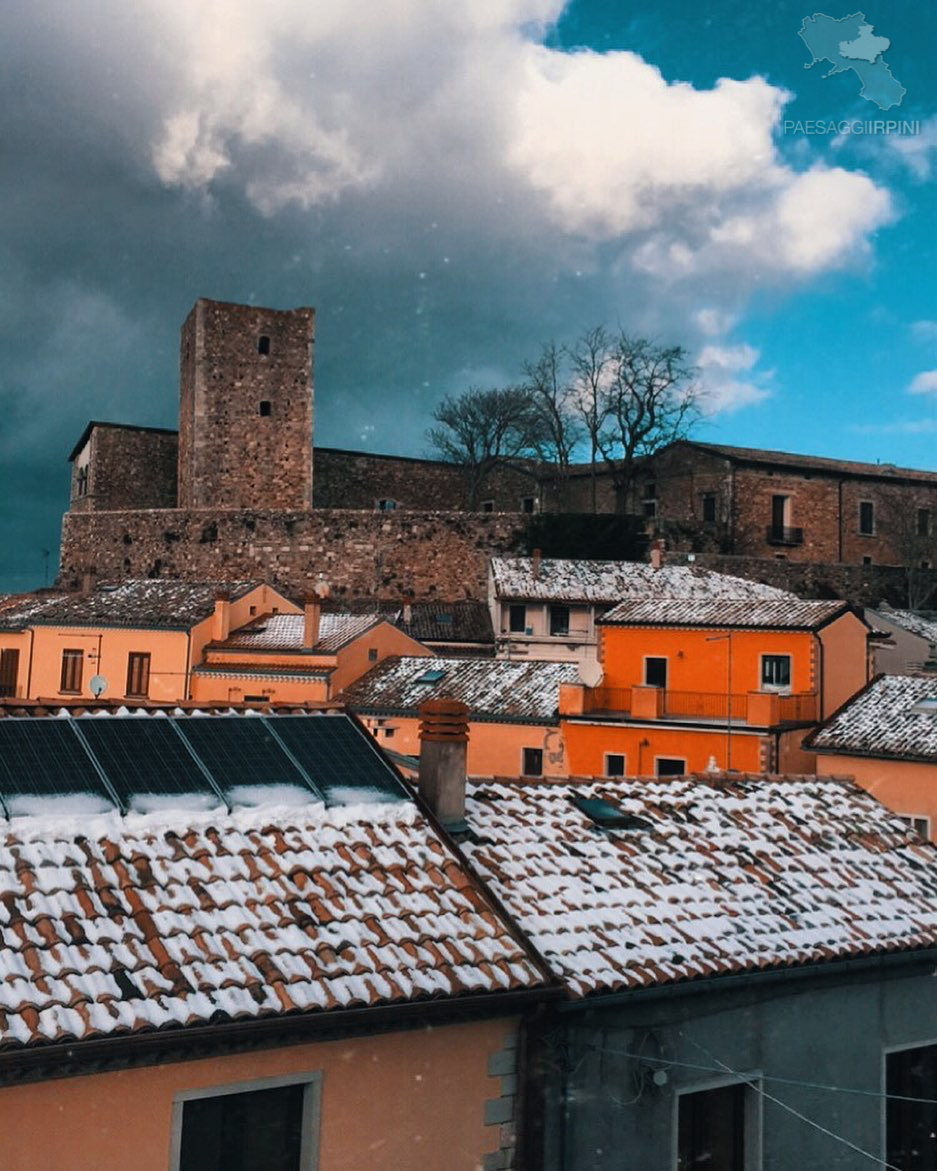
x=385 y=171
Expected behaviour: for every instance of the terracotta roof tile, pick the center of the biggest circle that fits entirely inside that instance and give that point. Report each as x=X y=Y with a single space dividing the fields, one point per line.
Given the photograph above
x=895 y=716
x=694 y=892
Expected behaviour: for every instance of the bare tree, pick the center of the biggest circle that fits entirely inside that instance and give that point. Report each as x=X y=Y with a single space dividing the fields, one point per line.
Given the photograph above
x=485 y=429
x=557 y=431
x=591 y=357
x=910 y=528
x=651 y=399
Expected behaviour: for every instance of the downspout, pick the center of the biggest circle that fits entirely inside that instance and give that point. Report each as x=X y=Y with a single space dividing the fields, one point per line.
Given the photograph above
x=188 y=663
x=820 y=680
x=29 y=669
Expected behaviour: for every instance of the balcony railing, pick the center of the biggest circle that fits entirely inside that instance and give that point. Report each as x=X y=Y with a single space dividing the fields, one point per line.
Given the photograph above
x=784 y=535
x=754 y=707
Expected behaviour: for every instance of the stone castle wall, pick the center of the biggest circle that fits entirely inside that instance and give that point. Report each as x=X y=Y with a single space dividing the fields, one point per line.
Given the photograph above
x=127 y=467
x=360 y=554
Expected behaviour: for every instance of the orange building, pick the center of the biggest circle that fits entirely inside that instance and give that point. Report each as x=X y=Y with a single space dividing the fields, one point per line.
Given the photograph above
x=514 y=727
x=886 y=737
x=698 y=684
x=296 y=657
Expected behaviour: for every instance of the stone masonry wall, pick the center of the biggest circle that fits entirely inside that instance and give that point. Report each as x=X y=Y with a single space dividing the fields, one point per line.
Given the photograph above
x=353 y=479
x=127 y=467
x=360 y=554
x=245 y=412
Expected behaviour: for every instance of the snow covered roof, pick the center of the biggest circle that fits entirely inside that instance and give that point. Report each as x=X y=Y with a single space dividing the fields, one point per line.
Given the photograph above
x=284 y=632
x=135 y=924
x=17 y=610
x=612 y=581
x=497 y=688
x=894 y=716
x=459 y=621
x=716 y=875
x=920 y=624
x=141 y=603
x=785 y=613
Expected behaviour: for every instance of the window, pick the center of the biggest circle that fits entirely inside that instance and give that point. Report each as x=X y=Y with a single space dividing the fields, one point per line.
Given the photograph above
x=528 y=504
x=614 y=764
x=532 y=762
x=650 y=500
x=517 y=619
x=920 y=824
x=709 y=508
x=138 y=674
x=72 y=665
x=389 y=732
x=271 y=1124
x=265 y=407
x=386 y=505
x=923 y=522
x=712 y=1131
x=911 y=1127
x=488 y=506
x=263 y=344
x=866 y=518
x=655 y=672
x=867 y=560
x=775 y=672
x=780 y=513
x=9 y=670
x=81 y=483
x=669 y=766
x=372 y=654
x=559 y=619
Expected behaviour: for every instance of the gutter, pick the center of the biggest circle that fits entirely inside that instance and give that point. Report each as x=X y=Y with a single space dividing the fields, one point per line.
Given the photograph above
x=174 y=1043
x=876 y=964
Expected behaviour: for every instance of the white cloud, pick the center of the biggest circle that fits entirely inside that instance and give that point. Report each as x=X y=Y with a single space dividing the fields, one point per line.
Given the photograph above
x=729 y=379
x=924 y=383
x=916 y=151
x=924 y=331
x=899 y=427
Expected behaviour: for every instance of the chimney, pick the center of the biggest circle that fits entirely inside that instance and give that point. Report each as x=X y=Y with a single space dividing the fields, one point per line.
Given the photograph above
x=407 y=613
x=443 y=747
x=221 y=626
x=87 y=583
x=535 y=564
x=657 y=555
x=313 y=616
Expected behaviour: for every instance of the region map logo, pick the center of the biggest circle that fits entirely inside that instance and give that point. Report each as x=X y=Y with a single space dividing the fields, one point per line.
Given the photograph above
x=849 y=42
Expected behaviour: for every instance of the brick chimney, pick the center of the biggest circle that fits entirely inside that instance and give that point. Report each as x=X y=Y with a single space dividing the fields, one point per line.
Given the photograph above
x=535 y=565
x=221 y=626
x=443 y=748
x=312 y=612
x=657 y=555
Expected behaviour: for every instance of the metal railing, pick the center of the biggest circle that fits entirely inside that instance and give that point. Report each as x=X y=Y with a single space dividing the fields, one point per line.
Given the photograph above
x=796 y=709
x=784 y=535
x=705 y=705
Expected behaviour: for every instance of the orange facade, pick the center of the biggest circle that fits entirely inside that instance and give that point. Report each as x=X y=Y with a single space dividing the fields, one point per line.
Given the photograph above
x=401 y=1099
x=494 y=749
x=907 y=787
x=687 y=699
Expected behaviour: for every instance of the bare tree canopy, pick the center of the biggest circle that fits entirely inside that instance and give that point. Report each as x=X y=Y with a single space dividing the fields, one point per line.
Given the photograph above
x=485 y=429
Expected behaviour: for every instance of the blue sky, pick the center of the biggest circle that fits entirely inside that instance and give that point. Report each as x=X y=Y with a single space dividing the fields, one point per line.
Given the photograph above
x=451 y=186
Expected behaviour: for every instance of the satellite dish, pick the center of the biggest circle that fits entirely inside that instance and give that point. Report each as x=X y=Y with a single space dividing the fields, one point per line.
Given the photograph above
x=98 y=685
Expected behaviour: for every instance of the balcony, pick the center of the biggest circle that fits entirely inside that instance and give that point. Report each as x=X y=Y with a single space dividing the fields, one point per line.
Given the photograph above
x=757 y=708
x=784 y=535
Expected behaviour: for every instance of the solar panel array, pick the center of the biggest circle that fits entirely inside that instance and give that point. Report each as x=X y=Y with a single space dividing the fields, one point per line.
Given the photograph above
x=121 y=759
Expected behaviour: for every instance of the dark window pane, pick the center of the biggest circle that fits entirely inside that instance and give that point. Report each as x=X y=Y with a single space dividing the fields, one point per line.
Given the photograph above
x=533 y=762
x=9 y=669
x=709 y=507
x=243 y=1132
x=911 y=1127
x=712 y=1130
x=670 y=767
x=866 y=518
x=518 y=619
x=614 y=764
x=776 y=671
x=263 y=344
x=655 y=672
x=923 y=522
x=559 y=619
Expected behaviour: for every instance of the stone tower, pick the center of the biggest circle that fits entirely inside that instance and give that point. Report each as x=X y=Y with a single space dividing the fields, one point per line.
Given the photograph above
x=245 y=412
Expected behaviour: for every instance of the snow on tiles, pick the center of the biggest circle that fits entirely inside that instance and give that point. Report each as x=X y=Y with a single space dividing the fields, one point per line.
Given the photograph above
x=688 y=878
x=176 y=918
x=549 y=579
x=895 y=716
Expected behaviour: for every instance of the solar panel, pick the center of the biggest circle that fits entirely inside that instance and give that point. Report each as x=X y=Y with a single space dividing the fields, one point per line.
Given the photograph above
x=145 y=755
x=44 y=758
x=339 y=758
x=240 y=751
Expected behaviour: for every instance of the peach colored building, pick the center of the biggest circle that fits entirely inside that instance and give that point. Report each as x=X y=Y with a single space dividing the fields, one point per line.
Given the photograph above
x=886 y=737
x=252 y=988
x=698 y=684
x=514 y=728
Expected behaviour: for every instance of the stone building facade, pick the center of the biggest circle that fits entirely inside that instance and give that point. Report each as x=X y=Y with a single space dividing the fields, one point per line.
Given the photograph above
x=115 y=466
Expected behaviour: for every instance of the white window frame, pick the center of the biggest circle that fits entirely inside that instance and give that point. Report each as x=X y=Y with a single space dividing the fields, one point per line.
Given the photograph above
x=775 y=688
x=644 y=660
x=911 y=818
x=624 y=766
x=312 y=1110
x=665 y=757
x=753 y=1113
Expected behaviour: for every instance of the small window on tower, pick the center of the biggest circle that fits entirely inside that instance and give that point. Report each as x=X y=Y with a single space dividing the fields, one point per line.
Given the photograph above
x=265 y=407
x=263 y=344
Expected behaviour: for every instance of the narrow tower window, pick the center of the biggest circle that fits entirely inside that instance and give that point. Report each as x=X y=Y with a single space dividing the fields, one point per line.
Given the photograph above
x=263 y=344
x=265 y=407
